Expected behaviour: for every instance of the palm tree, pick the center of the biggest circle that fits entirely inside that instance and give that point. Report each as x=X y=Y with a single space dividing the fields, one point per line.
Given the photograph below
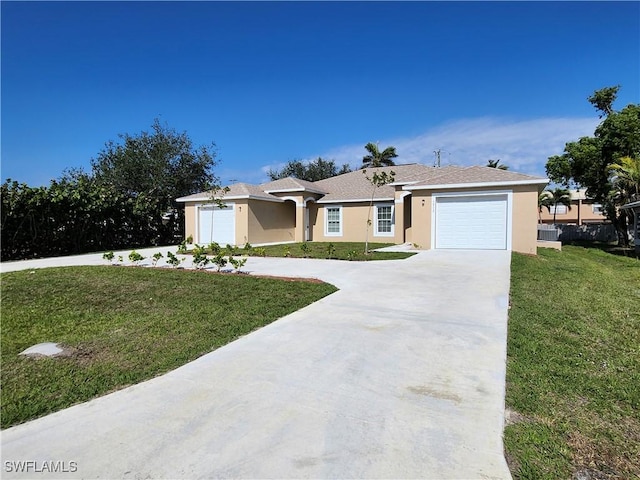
x=626 y=178
x=376 y=158
x=545 y=200
x=559 y=196
x=494 y=164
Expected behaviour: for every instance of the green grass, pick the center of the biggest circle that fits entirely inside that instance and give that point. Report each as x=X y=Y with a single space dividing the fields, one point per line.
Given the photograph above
x=340 y=251
x=124 y=325
x=573 y=369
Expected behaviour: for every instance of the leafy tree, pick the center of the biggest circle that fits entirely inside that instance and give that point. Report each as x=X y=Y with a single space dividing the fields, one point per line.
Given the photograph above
x=318 y=169
x=128 y=201
x=376 y=158
x=588 y=161
x=625 y=177
x=153 y=169
x=496 y=164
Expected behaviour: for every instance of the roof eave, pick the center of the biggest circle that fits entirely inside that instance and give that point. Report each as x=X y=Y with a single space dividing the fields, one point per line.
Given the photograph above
x=476 y=185
x=233 y=197
x=357 y=200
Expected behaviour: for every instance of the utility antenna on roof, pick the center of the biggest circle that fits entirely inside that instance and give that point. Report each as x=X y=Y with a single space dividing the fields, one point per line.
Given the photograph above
x=436 y=163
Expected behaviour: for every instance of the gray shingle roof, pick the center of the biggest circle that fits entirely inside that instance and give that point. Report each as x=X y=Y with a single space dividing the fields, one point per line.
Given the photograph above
x=291 y=184
x=236 y=190
x=354 y=186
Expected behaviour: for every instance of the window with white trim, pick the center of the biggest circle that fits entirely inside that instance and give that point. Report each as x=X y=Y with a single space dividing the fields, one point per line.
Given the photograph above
x=333 y=221
x=558 y=209
x=597 y=208
x=384 y=220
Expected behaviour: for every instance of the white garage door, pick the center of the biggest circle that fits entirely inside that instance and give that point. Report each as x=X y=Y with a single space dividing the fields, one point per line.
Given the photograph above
x=216 y=224
x=473 y=222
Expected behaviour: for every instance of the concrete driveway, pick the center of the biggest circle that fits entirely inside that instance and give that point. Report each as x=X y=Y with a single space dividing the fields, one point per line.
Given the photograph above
x=400 y=374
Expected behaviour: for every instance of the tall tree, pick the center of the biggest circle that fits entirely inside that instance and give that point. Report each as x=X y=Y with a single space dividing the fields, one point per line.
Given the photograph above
x=318 y=169
x=496 y=164
x=153 y=169
x=559 y=196
x=587 y=162
x=377 y=158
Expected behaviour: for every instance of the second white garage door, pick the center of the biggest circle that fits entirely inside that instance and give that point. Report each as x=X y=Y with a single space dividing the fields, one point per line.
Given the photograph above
x=471 y=222
x=217 y=224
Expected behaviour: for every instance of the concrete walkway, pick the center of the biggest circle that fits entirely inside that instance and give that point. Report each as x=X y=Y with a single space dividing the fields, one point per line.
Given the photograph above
x=400 y=374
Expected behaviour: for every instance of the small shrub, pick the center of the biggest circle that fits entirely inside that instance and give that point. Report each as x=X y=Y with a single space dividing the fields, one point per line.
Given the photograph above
x=219 y=261
x=261 y=251
x=214 y=248
x=200 y=259
x=231 y=250
x=351 y=255
x=238 y=263
x=189 y=239
x=173 y=260
x=287 y=251
x=135 y=257
x=156 y=257
x=108 y=256
x=120 y=259
x=305 y=249
x=182 y=248
x=331 y=250
x=247 y=247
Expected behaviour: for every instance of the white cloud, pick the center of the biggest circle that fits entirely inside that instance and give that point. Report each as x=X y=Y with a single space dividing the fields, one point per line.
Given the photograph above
x=522 y=145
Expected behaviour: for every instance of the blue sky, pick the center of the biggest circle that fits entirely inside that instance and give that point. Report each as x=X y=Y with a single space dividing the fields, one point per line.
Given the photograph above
x=270 y=82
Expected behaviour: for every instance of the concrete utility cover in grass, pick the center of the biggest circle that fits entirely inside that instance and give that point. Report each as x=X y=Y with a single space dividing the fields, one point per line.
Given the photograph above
x=47 y=349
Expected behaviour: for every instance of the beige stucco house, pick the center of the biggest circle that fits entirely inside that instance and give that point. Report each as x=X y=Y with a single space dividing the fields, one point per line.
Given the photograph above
x=445 y=207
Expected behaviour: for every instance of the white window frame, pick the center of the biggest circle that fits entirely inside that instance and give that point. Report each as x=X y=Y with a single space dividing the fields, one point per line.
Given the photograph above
x=597 y=209
x=558 y=209
x=376 y=230
x=327 y=233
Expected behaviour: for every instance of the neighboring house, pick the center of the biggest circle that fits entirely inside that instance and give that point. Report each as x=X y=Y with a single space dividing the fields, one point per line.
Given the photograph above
x=583 y=211
x=447 y=207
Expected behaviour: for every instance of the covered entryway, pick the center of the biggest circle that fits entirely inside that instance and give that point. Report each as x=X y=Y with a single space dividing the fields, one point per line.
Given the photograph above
x=217 y=224
x=472 y=221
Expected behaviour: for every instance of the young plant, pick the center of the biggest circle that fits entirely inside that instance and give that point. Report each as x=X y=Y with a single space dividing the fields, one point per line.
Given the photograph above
x=189 y=239
x=231 y=250
x=262 y=252
x=305 y=249
x=135 y=257
x=214 y=248
x=238 y=263
x=200 y=259
x=247 y=247
x=173 y=260
x=182 y=248
x=120 y=259
x=377 y=180
x=157 y=256
x=351 y=255
x=331 y=250
x=219 y=261
x=287 y=251
x=108 y=256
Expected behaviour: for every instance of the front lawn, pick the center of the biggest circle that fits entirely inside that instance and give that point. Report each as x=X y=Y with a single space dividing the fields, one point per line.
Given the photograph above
x=123 y=325
x=573 y=371
x=338 y=250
